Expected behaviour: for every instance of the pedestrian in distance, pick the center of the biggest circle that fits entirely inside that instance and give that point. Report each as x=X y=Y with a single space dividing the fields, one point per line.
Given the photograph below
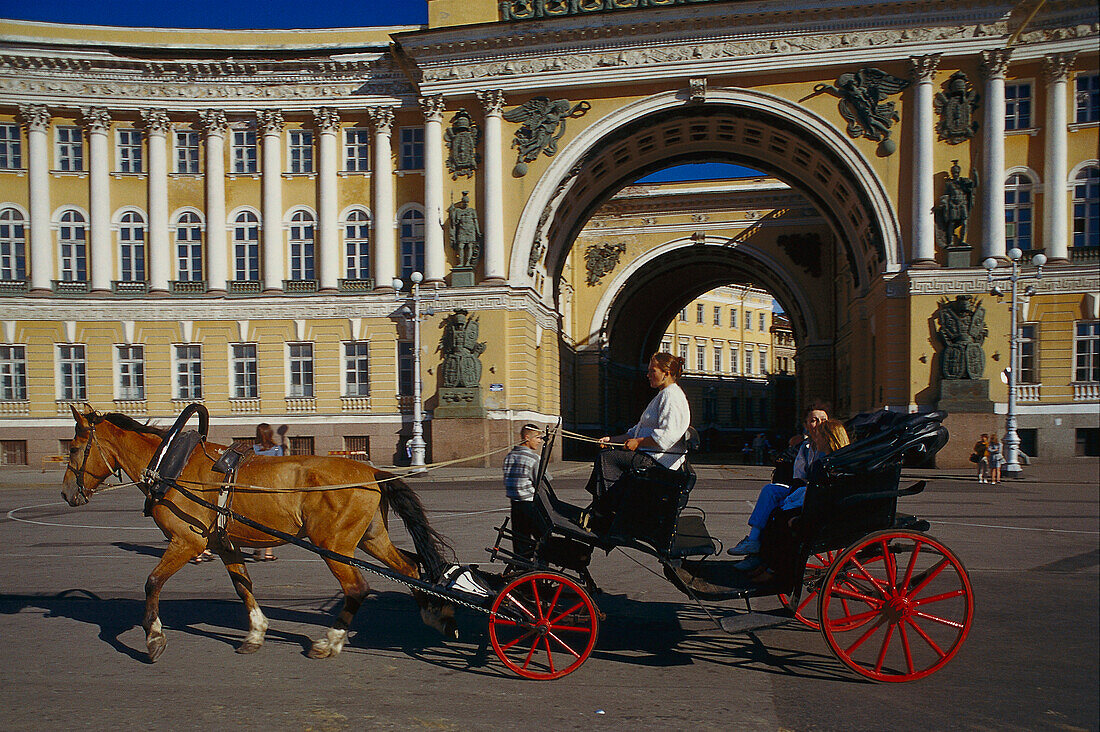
x=265 y=445
x=995 y=457
x=980 y=457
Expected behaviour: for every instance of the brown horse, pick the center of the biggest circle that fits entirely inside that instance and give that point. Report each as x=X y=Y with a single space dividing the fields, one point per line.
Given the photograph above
x=338 y=520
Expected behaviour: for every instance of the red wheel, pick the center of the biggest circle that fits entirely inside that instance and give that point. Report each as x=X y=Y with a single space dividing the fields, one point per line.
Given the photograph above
x=543 y=625
x=896 y=606
x=817 y=566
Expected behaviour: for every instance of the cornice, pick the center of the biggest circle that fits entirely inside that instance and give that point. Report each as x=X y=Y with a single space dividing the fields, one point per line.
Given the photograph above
x=1073 y=278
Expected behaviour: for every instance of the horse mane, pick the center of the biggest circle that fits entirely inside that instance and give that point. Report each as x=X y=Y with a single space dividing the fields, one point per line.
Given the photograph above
x=129 y=424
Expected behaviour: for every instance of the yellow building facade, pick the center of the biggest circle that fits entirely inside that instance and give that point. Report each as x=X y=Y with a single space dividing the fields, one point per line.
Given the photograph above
x=219 y=215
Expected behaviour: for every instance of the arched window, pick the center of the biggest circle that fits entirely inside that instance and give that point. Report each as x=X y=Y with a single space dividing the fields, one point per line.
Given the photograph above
x=1086 y=207
x=412 y=243
x=246 y=247
x=189 y=246
x=131 y=241
x=301 y=246
x=357 y=244
x=13 y=245
x=72 y=237
x=1018 y=212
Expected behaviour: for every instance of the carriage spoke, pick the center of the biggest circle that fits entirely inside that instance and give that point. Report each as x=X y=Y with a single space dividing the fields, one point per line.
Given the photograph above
x=538 y=602
x=927 y=639
x=890 y=563
x=929 y=575
x=937 y=619
x=573 y=609
x=531 y=653
x=508 y=645
x=563 y=644
x=912 y=565
x=522 y=609
x=851 y=622
x=549 y=655
x=865 y=573
x=885 y=647
x=554 y=602
x=844 y=592
x=905 y=646
x=937 y=598
x=859 y=641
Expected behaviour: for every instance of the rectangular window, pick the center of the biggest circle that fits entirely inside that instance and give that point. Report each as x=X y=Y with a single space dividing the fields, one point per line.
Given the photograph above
x=357 y=150
x=1028 y=364
x=187 y=151
x=733 y=317
x=301 y=445
x=748 y=320
x=748 y=360
x=717 y=359
x=666 y=346
x=698 y=313
x=404 y=368
x=358 y=447
x=684 y=352
x=1087 y=441
x=244 y=151
x=1086 y=352
x=189 y=371
x=717 y=316
x=1017 y=106
x=735 y=359
x=412 y=148
x=301 y=151
x=70 y=149
x=13 y=452
x=11 y=150
x=763 y=322
x=1088 y=97
x=131 y=372
x=245 y=382
x=13 y=373
x=72 y=372
x=301 y=370
x=700 y=357
x=128 y=152
x=356 y=369
x=763 y=360
x=13 y=249
x=683 y=315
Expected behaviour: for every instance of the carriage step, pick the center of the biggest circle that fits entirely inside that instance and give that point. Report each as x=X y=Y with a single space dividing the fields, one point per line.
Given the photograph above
x=744 y=622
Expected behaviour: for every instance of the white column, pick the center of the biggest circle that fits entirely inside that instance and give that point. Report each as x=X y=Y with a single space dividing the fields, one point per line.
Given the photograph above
x=157 y=127
x=1056 y=167
x=36 y=121
x=271 y=192
x=923 y=233
x=435 y=257
x=493 y=186
x=217 y=248
x=97 y=122
x=384 y=252
x=328 y=230
x=994 y=65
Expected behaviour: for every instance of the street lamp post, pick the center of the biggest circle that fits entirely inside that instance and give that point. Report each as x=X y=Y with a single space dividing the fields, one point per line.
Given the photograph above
x=417 y=446
x=1012 y=439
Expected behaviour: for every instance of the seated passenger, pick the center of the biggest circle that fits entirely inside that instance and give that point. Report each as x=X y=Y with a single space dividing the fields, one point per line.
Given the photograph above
x=657 y=441
x=825 y=437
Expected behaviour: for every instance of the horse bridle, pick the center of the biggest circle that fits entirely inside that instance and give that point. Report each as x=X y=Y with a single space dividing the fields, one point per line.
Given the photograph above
x=81 y=489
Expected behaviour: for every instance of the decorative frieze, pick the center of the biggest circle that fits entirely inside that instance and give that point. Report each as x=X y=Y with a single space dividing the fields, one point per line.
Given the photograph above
x=974 y=281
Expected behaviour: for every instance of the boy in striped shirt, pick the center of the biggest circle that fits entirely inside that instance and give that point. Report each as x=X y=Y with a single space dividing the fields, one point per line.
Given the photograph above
x=521 y=467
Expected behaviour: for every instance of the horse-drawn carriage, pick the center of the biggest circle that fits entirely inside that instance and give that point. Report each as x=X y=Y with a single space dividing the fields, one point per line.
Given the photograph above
x=892 y=603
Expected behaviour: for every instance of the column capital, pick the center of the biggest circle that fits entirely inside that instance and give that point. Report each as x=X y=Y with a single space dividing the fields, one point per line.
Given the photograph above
x=995 y=62
x=1058 y=66
x=326 y=119
x=156 y=121
x=214 y=121
x=433 y=108
x=95 y=119
x=34 y=117
x=271 y=121
x=381 y=118
x=492 y=100
x=924 y=68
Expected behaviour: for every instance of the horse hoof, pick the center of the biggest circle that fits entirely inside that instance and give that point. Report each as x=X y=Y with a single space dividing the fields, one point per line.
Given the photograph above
x=450 y=630
x=156 y=647
x=320 y=650
x=248 y=647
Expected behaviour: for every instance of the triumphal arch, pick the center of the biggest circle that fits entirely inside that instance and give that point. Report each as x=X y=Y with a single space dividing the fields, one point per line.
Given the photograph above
x=220 y=215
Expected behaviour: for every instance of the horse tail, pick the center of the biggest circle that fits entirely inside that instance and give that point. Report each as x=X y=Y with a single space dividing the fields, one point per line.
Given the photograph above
x=430 y=544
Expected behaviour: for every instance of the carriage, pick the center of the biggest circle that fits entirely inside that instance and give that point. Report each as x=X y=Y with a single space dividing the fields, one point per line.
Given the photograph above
x=893 y=603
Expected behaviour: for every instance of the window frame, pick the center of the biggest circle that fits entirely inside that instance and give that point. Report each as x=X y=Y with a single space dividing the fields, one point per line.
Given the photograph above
x=299 y=152
x=1017 y=191
x=69 y=152
x=244 y=151
x=11 y=147
x=74 y=368
x=301 y=371
x=302 y=245
x=245 y=381
x=129 y=151
x=1086 y=102
x=13 y=244
x=1086 y=209
x=189 y=251
x=356 y=380
x=132 y=254
x=13 y=372
x=1028 y=353
x=75 y=262
x=360 y=162
x=129 y=372
x=1019 y=109
x=186 y=155
x=357 y=254
x=1091 y=355
x=247 y=266
x=411 y=245
x=187 y=368
x=411 y=150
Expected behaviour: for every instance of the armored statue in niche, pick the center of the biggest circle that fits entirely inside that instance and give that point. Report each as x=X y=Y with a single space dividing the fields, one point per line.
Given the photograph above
x=961 y=326
x=542 y=125
x=956 y=105
x=863 y=104
x=461 y=351
x=461 y=139
x=952 y=211
x=601 y=259
x=464 y=231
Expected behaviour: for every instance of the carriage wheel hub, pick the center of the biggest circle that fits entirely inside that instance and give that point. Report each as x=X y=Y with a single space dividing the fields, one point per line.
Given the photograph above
x=896 y=609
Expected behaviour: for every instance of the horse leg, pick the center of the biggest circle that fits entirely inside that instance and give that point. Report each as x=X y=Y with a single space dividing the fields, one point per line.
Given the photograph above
x=434 y=613
x=242 y=583
x=355 y=591
x=175 y=556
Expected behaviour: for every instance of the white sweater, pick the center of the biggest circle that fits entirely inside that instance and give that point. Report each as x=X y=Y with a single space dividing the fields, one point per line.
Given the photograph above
x=666 y=419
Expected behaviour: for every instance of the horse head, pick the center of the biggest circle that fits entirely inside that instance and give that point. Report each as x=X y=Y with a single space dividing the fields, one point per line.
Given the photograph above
x=88 y=465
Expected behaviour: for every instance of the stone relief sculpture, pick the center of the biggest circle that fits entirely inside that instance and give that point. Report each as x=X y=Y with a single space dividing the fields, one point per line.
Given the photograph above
x=461 y=351
x=542 y=125
x=862 y=103
x=601 y=259
x=961 y=326
x=464 y=231
x=956 y=105
x=461 y=139
x=952 y=211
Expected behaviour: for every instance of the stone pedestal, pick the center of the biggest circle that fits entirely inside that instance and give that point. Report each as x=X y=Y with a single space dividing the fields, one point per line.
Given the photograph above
x=456 y=437
x=462 y=277
x=965 y=395
x=459 y=403
x=969 y=414
x=958 y=257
